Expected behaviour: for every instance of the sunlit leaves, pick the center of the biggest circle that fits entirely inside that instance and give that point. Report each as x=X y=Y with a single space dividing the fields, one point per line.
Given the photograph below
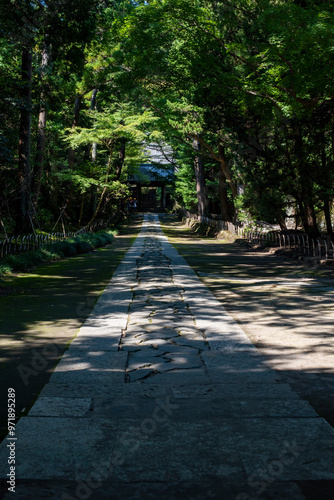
x=110 y=124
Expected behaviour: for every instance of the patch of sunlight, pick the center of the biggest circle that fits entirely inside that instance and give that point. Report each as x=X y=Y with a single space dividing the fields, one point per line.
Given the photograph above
x=280 y=282
x=47 y=276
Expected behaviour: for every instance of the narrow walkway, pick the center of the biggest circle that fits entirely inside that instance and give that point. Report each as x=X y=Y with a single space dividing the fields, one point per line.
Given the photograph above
x=162 y=396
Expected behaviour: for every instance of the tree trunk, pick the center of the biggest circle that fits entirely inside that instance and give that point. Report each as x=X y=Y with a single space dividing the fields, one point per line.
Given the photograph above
x=70 y=152
x=92 y=107
x=40 y=149
x=307 y=215
x=227 y=174
x=120 y=159
x=23 y=220
x=93 y=157
x=91 y=149
x=328 y=218
x=201 y=188
x=326 y=182
x=223 y=197
x=93 y=100
x=103 y=191
x=305 y=195
x=81 y=208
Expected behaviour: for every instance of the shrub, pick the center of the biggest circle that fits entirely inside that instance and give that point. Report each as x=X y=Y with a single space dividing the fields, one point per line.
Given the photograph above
x=82 y=243
x=65 y=247
x=48 y=254
x=5 y=268
x=82 y=246
x=18 y=262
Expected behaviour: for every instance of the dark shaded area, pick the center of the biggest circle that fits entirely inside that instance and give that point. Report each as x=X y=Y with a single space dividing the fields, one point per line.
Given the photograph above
x=311 y=489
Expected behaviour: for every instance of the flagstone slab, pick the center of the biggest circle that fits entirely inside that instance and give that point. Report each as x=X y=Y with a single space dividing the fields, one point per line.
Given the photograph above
x=61 y=407
x=91 y=361
x=291 y=448
x=62 y=448
x=94 y=343
x=140 y=374
x=180 y=377
x=112 y=376
x=107 y=388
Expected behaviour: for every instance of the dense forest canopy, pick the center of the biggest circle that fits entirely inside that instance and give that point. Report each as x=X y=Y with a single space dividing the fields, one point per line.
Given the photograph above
x=241 y=90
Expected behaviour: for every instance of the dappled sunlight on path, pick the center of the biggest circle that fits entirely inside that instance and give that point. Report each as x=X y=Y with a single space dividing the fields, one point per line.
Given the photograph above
x=163 y=390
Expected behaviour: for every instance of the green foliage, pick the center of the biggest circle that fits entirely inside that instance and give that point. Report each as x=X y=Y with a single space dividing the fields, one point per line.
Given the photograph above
x=250 y=81
x=63 y=248
x=185 y=186
x=81 y=182
x=115 y=122
x=5 y=269
x=67 y=248
x=45 y=217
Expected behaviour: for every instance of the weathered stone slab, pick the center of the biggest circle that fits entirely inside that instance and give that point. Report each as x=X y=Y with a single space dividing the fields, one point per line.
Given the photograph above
x=79 y=389
x=244 y=390
x=88 y=377
x=94 y=343
x=288 y=448
x=252 y=408
x=198 y=344
x=233 y=369
x=60 y=407
x=92 y=361
x=140 y=374
x=99 y=368
x=180 y=377
x=135 y=364
x=62 y=448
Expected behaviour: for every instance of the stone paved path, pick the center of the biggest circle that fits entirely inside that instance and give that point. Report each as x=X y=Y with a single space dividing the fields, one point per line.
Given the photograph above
x=162 y=396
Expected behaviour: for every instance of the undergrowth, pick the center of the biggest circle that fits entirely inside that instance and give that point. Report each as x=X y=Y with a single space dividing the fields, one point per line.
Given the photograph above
x=82 y=243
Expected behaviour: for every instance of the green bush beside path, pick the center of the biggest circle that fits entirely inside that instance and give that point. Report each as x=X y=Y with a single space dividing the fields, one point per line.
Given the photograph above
x=80 y=244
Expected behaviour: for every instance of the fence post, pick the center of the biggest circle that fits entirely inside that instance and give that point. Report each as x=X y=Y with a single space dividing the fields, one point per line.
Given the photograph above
x=294 y=241
x=288 y=241
x=313 y=248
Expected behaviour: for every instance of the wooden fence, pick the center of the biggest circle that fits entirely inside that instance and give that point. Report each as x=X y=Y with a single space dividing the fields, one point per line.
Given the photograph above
x=320 y=248
x=20 y=244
